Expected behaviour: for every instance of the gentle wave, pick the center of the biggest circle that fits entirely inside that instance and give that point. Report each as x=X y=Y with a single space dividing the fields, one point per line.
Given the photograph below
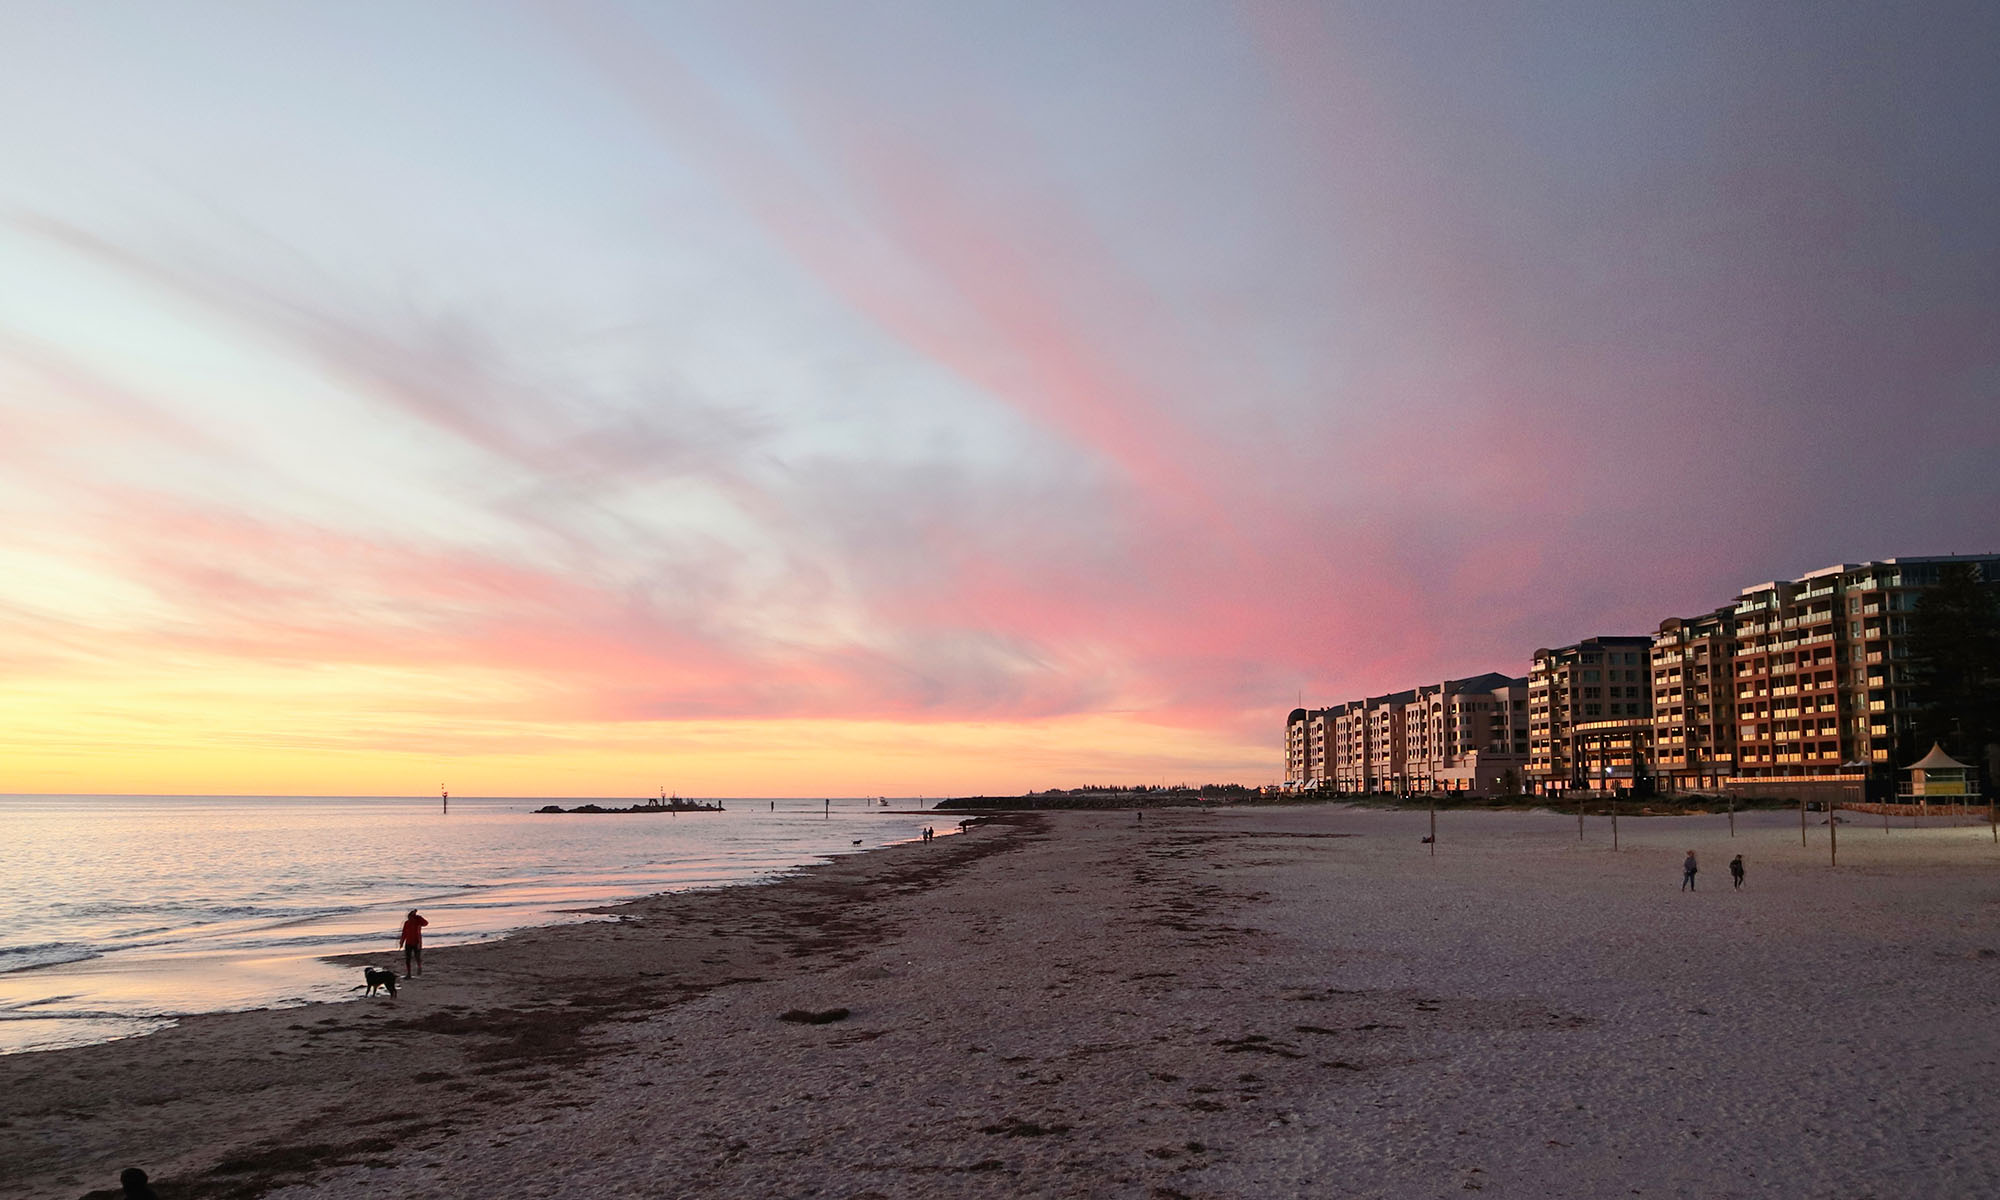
x=206 y=912
x=84 y=1014
x=43 y=954
x=253 y=895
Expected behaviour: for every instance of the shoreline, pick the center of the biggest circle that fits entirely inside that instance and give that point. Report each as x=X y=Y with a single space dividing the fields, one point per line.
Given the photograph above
x=498 y=1010
x=96 y=951
x=1242 y=1003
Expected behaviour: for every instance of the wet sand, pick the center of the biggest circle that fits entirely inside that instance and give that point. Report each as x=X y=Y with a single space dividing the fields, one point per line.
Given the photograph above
x=1243 y=1003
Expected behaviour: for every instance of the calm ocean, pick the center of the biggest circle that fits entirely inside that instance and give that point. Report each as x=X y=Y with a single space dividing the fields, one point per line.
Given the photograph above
x=120 y=913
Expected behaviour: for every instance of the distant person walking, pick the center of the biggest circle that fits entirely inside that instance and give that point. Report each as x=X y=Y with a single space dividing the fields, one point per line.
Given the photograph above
x=1688 y=869
x=412 y=942
x=1736 y=870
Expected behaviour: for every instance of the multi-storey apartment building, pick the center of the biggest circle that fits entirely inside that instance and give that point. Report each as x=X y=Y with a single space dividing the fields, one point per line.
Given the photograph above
x=1786 y=676
x=1694 y=701
x=1821 y=669
x=1798 y=684
x=1460 y=735
x=1463 y=735
x=1597 y=680
x=1310 y=751
x=1613 y=755
x=1384 y=719
x=1351 y=767
x=1319 y=751
x=1295 y=748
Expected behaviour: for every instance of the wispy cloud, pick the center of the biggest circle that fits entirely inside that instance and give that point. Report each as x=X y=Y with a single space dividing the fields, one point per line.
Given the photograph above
x=1404 y=346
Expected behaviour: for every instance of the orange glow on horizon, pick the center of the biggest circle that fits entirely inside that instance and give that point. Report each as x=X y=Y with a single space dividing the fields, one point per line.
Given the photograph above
x=180 y=756
x=322 y=730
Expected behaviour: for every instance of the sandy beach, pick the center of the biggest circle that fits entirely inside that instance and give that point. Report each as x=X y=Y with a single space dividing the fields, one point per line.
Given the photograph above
x=1237 y=1003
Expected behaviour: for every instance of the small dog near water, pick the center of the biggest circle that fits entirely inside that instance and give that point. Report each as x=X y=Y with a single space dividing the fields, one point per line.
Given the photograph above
x=376 y=977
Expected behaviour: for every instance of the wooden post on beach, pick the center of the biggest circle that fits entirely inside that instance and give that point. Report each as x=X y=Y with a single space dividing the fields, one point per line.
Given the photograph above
x=1579 y=816
x=1802 y=820
x=1614 y=822
x=1833 y=833
x=828 y=815
x=1434 y=825
x=1732 y=814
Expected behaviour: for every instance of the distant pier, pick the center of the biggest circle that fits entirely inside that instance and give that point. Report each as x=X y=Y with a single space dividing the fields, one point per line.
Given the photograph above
x=675 y=805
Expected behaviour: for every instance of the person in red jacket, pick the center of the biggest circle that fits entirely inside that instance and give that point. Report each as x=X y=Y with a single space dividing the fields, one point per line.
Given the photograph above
x=412 y=942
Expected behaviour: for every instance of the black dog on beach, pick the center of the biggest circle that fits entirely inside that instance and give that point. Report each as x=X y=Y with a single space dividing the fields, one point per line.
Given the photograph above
x=376 y=977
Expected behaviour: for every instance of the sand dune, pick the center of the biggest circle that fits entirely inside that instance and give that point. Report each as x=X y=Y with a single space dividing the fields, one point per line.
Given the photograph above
x=1253 y=1003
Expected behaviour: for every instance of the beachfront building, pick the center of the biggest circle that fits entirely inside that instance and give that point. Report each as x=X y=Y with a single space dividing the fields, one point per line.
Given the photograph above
x=1613 y=755
x=1459 y=735
x=1295 y=748
x=1938 y=776
x=1797 y=686
x=1364 y=740
x=1383 y=724
x=1319 y=753
x=1464 y=735
x=1309 y=749
x=1821 y=671
x=1694 y=701
x=1595 y=680
x=1349 y=737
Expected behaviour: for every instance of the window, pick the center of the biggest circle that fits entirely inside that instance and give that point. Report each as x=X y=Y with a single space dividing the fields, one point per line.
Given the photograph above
x=1591 y=693
x=1590 y=677
x=1592 y=710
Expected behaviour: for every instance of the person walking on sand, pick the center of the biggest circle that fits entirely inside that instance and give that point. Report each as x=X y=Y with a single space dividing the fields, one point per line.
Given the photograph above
x=412 y=942
x=1687 y=873
x=1736 y=870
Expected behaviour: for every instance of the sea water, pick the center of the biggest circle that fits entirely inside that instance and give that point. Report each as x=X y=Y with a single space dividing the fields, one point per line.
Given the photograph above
x=120 y=913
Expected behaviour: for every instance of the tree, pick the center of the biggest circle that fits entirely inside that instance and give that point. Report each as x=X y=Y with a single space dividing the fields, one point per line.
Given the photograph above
x=1954 y=665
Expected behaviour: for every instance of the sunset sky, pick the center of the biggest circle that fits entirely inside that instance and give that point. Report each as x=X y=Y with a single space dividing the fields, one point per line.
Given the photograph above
x=800 y=399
